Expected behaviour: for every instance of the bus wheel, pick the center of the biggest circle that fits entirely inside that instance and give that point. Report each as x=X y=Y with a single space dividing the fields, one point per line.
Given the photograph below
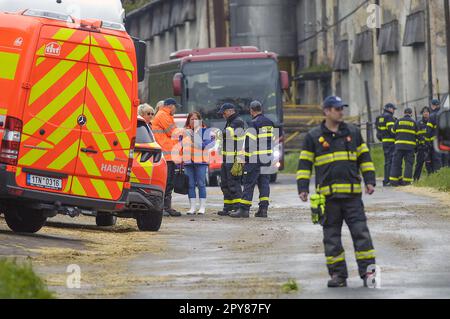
x=105 y=220
x=273 y=178
x=213 y=180
x=24 y=220
x=149 y=221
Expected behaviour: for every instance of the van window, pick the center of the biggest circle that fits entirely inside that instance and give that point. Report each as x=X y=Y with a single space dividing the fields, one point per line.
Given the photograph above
x=143 y=134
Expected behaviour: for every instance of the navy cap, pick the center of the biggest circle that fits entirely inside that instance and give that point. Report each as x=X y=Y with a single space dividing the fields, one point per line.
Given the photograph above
x=408 y=110
x=171 y=102
x=226 y=106
x=333 y=101
x=435 y=102
x=390 y=106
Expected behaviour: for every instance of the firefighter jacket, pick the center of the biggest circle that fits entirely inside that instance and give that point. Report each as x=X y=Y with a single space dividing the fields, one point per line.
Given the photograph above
x=432 y=125
x=258 y=141
x=385 y=126
x=422 y=132
x=406 y=134
x=196 y=146
x=166 y=134
x=338 y=158
x=233 y=138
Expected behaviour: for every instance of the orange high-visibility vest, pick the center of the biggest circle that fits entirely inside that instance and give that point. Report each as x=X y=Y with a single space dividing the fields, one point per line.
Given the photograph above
x=166 y=134
x=193 y=151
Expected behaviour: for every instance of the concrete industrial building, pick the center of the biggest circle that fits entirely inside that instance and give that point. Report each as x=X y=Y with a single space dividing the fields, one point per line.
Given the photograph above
x=395 y=52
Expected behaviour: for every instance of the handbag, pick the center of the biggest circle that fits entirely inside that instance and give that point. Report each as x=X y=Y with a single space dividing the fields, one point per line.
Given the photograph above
x=181 y=182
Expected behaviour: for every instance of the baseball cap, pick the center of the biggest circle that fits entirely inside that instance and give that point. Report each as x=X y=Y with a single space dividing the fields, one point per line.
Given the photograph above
x=408 y=110
x=435 y=102
x=333 y=101
x=390 y=106
x=224 y=107
x=171 y=102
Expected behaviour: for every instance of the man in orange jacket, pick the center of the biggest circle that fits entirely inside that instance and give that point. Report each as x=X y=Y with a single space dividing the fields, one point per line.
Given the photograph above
x=165 y=132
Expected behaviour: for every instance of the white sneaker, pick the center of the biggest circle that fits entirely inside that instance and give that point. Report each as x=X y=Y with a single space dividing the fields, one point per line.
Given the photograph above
x=192 y=204
x=202 y=209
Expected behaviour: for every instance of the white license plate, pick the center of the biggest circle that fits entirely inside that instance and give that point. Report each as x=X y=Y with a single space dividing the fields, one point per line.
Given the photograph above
x=44 y=182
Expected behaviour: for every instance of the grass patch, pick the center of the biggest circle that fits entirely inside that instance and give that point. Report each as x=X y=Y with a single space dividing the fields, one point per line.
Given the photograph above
x=290 y=287
x=19 y=281
x=377 y=153
x=291 y=161
x=439 y=180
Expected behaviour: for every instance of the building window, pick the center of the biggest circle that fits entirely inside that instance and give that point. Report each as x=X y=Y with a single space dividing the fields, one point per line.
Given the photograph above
x=363 y=49
x=388 y=41
x=415 y=30
x=341 y=62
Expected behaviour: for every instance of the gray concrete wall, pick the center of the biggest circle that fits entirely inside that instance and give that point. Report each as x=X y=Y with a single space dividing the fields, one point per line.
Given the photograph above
x=401 y=78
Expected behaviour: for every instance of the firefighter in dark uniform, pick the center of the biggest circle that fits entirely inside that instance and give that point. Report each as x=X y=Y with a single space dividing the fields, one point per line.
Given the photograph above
x=405 y=147
x=436 y=158
x=422 y=157
x=233 y=140
x=385 y=125
x=338 y=153
x=258 y=153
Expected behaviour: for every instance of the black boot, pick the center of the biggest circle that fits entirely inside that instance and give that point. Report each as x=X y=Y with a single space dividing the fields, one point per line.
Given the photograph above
x=262 y=212
x=224 y=212
x=242 y=213
x=337 y=282
x=172 y=212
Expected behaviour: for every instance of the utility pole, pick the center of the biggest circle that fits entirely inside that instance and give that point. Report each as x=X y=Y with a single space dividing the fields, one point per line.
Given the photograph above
x=429 y=53
x=447 y=34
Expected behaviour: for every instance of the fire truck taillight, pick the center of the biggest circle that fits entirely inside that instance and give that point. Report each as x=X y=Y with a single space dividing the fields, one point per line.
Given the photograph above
x=10 y=144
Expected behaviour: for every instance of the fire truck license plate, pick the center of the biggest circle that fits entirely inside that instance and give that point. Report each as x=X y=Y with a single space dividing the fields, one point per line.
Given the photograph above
x=44 y=182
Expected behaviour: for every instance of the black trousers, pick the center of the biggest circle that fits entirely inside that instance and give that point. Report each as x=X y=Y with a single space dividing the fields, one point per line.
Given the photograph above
x=397 y=166
x=436 y=160
x=171 y=167
x=388 y=149
x=231 y=188
x=350 y=210
x=253 y=177
x=422 y=158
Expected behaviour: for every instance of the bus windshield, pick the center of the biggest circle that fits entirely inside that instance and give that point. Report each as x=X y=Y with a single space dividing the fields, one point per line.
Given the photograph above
x=209 y=84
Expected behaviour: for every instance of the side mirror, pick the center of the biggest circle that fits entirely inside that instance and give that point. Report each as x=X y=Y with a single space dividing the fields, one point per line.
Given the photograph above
x=285 y=83
x=141 y=52
x=177 y=84
x=443 y=131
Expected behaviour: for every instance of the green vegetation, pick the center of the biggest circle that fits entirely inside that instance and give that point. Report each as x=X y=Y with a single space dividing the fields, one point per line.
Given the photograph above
x=130 y=5
x=439 y=180
x=18 y=281
x=291 y=163
x=320 y=68
x=377 y=154
x=290 y=287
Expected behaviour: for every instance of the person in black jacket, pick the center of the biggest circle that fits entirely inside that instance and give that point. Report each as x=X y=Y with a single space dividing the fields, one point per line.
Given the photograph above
x=385 y=125
x=233 y=140
x=405 y=146
x=338 y=153
x=424 y=144
x=436 y=158
x=258 y=154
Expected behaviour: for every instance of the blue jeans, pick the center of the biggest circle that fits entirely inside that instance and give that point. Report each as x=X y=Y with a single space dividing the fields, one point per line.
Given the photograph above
x=197 y=178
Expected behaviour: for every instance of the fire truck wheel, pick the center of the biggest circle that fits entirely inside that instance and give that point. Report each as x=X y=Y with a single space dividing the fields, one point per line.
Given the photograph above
x=24 y=220
x=105 y=220
x=149 y=221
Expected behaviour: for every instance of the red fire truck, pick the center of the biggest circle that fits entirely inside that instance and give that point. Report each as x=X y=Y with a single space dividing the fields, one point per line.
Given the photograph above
x=203 y=79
